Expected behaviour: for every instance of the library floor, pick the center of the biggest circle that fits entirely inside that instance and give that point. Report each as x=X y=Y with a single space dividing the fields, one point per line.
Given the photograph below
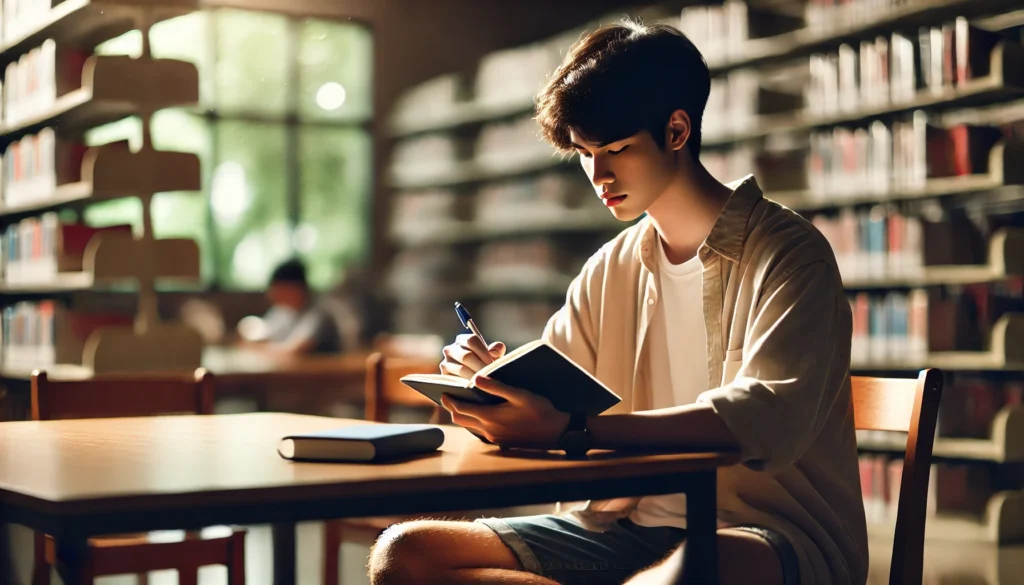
x=949 y=563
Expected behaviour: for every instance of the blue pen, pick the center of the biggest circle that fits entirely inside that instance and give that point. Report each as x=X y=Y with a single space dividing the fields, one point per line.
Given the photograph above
x=467 y=321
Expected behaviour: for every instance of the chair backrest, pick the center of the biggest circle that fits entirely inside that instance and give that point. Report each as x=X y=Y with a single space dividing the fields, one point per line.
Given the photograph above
x=113 y=396
x=912 y=406
x=384 y=388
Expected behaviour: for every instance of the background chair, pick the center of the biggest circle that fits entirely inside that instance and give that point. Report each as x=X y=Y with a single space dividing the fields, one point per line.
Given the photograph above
x=124 y=396
x=905 y=405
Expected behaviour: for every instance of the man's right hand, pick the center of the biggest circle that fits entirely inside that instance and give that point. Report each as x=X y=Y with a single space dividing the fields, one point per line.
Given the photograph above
x=467 y=355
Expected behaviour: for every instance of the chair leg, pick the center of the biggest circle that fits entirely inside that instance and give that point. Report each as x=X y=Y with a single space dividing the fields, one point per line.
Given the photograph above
x=236 y=566
x=40 y=567
x=188 y=576
x=142 y=578
x=332 y=551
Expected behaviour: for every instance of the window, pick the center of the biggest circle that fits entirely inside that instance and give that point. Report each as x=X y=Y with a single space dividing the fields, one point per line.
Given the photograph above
x=282 y=137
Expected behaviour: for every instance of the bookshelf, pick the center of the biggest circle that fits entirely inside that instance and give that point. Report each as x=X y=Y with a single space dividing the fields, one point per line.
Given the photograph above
x=1005 y=259
x=1001 y=522
x=86 y=23
x=1005 y=443
x=66 y=174
x=1005 y=81
x=879 y=20
x=114 y=88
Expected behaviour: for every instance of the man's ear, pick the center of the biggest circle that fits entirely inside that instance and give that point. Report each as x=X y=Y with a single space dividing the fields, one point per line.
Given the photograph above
x=677 y=130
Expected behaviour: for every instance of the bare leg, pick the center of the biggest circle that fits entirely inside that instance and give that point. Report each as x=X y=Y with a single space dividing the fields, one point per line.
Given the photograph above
x=743 y=559
x=431 y=552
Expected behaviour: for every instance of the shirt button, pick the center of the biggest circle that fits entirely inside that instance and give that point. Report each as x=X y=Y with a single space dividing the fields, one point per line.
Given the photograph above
x=650 y=301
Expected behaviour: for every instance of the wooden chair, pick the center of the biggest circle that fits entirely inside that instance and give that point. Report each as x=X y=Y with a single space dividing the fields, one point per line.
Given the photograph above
x=905 y=405
x=124 y=396
x=384 y=390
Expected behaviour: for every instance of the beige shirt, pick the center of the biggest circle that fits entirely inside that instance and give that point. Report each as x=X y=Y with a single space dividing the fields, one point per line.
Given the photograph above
x=778 y=350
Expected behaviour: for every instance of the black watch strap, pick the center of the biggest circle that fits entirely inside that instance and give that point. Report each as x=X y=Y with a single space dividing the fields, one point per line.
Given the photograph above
x=577 y=422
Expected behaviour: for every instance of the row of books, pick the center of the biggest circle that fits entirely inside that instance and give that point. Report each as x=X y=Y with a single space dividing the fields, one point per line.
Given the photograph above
x=509 y=77
x=896 y=69
x=21 y=16
x=44 y=333
x=498 y=146
x=826 y=15
x=953 y=488
x=882 y=242
x=900 y=328
x=721 y=32
x=881 y=159
x=539 y=199
x=33 y=83
x=35 y=165
x=541 y=263
x=890 y=328
x=37 y=248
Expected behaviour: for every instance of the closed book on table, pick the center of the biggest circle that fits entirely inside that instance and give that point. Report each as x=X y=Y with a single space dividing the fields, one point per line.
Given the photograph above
x=371 y=442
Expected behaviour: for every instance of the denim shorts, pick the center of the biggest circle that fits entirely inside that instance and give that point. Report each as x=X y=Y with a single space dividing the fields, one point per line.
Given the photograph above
x=560 y=549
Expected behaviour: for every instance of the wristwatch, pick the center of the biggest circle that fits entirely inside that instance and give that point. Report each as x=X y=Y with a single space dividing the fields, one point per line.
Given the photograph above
x=576 y=440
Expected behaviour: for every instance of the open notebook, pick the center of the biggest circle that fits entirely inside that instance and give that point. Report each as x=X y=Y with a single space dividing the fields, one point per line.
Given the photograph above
x=537 y=367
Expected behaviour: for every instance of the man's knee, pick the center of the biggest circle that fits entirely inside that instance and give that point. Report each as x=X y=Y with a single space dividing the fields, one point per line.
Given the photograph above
x=399 y=555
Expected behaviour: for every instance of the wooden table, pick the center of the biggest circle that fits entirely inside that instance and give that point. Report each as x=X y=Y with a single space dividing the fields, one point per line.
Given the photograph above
x=79 y=478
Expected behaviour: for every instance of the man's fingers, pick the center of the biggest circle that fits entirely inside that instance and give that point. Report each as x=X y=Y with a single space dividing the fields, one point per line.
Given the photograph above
x=497 y=349
x=473 y=344
x=456 y=369
x=464 y=356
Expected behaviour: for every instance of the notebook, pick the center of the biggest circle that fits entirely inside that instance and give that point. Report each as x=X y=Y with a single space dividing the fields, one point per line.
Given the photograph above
x=537 y=367
x=375 y=442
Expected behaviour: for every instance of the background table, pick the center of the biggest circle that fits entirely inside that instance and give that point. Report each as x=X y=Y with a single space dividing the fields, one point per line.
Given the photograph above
x=79 y=478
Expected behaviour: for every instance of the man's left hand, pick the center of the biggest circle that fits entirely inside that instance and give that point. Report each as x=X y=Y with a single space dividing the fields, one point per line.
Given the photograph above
x=523 y=420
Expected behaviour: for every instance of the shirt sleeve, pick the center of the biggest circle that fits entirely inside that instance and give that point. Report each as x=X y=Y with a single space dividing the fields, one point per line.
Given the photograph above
x=796 y=360
x=572 y=330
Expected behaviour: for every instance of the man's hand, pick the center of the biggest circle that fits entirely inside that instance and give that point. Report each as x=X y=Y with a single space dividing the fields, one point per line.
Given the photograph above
x=524 y=420
x=467 y=356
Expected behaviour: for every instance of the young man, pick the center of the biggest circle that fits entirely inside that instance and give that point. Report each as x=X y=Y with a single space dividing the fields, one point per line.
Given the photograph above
x=296 y=323
x=721 y=320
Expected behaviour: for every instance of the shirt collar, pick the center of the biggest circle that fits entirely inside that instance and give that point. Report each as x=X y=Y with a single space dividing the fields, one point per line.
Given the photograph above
x=729 y=231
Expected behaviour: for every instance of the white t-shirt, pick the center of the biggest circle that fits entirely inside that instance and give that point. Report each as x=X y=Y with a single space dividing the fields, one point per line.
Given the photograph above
x=679 y=364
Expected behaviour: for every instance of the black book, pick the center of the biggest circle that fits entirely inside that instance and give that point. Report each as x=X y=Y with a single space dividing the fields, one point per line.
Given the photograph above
x=537 y=367
x=370 y=442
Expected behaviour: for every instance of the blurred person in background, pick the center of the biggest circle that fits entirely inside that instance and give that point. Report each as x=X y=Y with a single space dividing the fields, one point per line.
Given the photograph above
x=297 y=322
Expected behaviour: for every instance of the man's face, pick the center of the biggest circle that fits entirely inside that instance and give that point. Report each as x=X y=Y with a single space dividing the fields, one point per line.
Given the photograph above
x=629 y=175
x=287 y=294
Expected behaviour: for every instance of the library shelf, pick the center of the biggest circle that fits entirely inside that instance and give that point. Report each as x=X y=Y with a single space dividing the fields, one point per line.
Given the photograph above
x=111 y=171
x=1002 y=521
x=459 y=232
x=1005 y=81
x=1005 y=443
x=1004 y=170
x=87 y=23
x=111 y=258
x=1005 y=260
x=464 y=114
x=553 y=286
x=805 y=41
x=114 y=87
x=466 y=172
x=115 y=349
x=1005 y=353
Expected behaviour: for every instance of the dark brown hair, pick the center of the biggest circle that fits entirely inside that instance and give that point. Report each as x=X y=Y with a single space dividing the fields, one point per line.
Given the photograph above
x=622 y=79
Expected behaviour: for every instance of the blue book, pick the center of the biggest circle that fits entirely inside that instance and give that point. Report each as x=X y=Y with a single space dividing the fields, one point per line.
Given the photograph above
x=371 y=442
